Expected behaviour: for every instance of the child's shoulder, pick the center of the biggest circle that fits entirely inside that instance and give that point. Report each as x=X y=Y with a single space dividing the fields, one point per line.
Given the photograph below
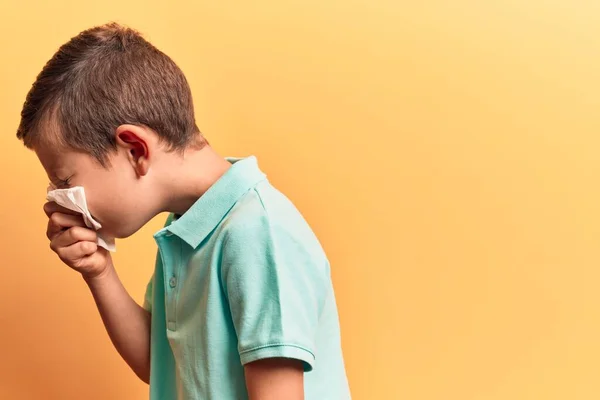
x=248 y=215
x=263 y=207
x=265 y=215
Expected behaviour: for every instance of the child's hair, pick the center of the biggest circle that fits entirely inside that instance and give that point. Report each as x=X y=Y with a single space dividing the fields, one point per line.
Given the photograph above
x=104 y=77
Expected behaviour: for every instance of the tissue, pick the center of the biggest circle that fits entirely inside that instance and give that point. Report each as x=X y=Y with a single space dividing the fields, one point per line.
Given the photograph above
x=74 y=199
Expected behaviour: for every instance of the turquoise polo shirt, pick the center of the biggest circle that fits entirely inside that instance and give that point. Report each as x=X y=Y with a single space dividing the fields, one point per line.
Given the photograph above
x=241 y=277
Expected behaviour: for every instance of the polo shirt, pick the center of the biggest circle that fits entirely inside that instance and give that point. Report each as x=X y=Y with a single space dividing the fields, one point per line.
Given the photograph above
x=241 y=277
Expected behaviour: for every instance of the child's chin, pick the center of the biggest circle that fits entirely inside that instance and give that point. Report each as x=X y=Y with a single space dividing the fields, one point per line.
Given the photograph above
x=125 y=233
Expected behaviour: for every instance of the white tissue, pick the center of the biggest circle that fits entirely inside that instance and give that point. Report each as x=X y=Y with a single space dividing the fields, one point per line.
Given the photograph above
x=74 y=199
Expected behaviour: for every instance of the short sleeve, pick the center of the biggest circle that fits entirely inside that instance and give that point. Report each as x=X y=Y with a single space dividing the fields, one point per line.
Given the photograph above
x=148 y=295
x=276 y=288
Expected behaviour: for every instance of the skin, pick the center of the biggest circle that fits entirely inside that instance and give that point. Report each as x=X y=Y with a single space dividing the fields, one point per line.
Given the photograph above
x=144 y=179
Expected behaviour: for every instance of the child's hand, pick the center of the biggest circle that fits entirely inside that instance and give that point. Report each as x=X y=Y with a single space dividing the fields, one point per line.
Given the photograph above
x=75 y=243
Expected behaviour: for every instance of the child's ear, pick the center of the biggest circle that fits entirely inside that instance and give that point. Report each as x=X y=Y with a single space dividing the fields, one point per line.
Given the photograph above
x=135 y=141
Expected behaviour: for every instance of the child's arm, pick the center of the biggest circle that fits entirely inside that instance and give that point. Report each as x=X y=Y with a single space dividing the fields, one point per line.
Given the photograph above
x=275 y=379
x=127 y=323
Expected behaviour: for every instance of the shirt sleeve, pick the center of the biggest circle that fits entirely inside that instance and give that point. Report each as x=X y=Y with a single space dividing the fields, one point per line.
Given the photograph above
x=276 y=287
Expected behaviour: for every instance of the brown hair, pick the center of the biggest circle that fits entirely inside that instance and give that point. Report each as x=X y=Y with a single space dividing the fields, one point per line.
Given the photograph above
x=104 y=77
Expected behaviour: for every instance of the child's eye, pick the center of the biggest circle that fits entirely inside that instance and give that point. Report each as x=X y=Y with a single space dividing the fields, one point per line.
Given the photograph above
x=65 y=183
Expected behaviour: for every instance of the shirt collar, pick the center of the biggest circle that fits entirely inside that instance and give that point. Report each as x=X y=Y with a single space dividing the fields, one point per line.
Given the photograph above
x=208 y=211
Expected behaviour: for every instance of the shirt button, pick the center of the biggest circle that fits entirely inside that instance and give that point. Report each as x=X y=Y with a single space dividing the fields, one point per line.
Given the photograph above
x=173 y=282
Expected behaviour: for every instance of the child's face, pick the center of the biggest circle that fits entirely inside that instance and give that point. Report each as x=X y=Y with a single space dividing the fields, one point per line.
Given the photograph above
x=117 y=196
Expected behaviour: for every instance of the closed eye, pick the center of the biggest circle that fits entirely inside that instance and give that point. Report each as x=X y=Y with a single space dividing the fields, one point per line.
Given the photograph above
x=63 y=183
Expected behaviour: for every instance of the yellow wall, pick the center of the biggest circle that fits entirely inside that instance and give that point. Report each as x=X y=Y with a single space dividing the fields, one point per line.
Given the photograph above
x=445 y=152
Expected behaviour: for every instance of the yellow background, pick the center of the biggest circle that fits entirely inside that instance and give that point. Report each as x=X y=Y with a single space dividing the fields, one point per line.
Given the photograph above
x=445 y=152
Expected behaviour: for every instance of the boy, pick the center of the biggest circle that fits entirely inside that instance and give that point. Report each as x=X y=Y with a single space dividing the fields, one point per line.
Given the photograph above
x=241 y=303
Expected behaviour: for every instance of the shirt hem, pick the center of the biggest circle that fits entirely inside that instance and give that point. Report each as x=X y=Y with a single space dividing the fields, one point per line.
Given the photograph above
x=279 y=350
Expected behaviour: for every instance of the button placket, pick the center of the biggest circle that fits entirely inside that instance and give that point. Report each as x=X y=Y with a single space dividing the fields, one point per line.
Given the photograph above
x=173 y=282
x=169 y=251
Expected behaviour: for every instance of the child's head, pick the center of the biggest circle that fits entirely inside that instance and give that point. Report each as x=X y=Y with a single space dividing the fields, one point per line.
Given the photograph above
x=109 y=112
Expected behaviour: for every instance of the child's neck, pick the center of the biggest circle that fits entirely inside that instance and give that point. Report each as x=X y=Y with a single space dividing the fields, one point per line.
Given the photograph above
x=191 y=176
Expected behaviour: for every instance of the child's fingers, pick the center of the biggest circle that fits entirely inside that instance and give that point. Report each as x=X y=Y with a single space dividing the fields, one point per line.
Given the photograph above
x=73 y=235
x=59 y=221
x=73 y=254
x=52 y=207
